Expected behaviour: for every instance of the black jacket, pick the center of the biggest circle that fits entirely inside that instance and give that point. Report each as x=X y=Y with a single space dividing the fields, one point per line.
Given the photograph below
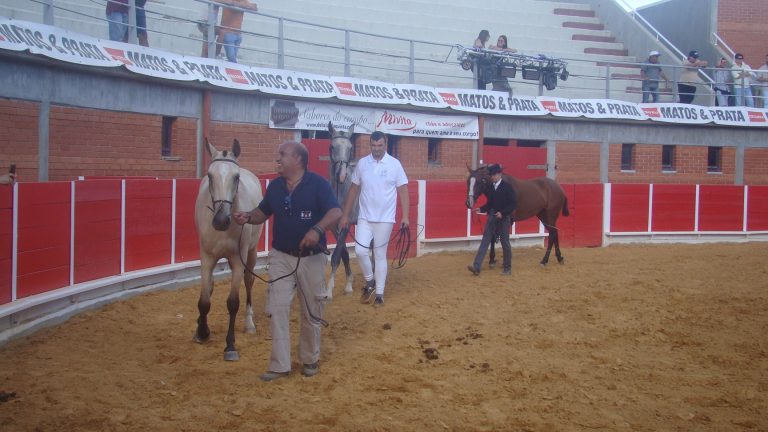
x=502 y=200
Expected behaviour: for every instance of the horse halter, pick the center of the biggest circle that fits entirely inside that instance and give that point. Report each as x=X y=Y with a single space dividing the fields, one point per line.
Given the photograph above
x=216 y=204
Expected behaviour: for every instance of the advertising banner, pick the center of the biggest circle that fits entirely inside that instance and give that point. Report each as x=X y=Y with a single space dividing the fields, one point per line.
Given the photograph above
x=59 y=44
x=284 y=114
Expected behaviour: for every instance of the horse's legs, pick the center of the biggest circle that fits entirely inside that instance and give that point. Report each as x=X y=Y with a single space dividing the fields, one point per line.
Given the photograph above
x=559 y=256
x=233 y=304
x=204 y=304
x=250 y=326
x=338 y=251
x=348 y=270
x=551 y=238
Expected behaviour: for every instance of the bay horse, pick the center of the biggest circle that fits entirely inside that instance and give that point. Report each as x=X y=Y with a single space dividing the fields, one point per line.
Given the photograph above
x=227 y=188
x=541 y=197
x=342 y=165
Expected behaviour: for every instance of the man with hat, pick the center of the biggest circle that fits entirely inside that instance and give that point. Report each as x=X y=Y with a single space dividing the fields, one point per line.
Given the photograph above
x=742 y=82
x=502 y=201
x=686 y=88
x=650 y=72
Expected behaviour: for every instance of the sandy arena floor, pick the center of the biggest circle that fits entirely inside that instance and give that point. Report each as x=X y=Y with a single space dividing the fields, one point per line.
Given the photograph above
x=629 y=338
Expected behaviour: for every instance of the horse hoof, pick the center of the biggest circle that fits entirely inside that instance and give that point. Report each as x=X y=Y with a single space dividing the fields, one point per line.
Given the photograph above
x=561 y=260
x=543 y=264
x=492 y=264
x=198 y=339
x=231 y=356
x=250 y=330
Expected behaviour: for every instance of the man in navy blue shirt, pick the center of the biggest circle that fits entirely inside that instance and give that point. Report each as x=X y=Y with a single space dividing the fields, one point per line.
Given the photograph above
x=304 y=207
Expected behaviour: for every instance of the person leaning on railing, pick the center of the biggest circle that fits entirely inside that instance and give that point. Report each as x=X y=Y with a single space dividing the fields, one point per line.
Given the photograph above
x=762 y=77
x=742 y=82
x=231 y=22
x=482 y=64
x=500 y=83
x=723 y=81
x=686 y=88
x=650 y=72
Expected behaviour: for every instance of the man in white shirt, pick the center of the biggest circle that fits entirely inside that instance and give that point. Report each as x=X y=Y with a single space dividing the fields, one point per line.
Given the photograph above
x=762 y=78
x=377 y=180
x=742 y=82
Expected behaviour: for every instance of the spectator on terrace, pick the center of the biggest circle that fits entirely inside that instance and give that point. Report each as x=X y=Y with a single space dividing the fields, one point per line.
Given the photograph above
x=762 y=77
x=723 y=80
x=742 y=80
x=202 y=25
x=141 y=23
x=499 y=82
x=117 y=16
x=231 y=22
x=650 y=72
x=483 y=65
x=686 y=88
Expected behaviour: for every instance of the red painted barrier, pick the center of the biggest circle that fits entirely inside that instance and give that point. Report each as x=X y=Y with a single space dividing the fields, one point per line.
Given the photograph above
x=674 y=208
x=446 y=214
x=97 y=229
x=721 y=208
x=43 y=237
x=584 y=226
x=6 y=243
x=147 y=223
x=629 y=207
x=757 y=208
x=187 y=243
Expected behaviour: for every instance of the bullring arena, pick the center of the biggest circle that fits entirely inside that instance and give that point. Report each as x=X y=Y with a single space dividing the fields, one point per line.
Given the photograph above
x=655 y=321
x=637 y=338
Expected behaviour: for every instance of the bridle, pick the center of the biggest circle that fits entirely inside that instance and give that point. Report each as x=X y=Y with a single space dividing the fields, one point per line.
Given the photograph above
x=216 y=204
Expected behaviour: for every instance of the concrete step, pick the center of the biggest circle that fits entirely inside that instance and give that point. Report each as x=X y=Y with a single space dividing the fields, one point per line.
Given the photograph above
x=574 y=12
x=585 y=26
x=591 y=38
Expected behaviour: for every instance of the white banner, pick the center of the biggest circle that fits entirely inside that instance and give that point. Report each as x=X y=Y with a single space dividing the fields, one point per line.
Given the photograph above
x=53 y=42
x=284 y=114
x=592 y=108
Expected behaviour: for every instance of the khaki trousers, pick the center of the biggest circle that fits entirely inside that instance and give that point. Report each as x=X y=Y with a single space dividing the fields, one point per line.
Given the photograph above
x=309 y=281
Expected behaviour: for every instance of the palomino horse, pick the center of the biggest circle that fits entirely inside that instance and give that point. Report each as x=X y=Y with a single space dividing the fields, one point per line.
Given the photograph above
x=227 y=188
x=541 y=197
x=342 y=165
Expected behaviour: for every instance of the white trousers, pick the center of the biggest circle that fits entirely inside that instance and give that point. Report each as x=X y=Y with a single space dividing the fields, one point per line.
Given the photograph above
x=379 y=232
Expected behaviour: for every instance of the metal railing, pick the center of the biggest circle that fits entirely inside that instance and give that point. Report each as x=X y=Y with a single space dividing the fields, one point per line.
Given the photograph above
x=283 y=44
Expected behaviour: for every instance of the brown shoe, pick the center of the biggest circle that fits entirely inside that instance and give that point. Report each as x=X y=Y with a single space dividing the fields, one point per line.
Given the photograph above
x=310 y=370
x=368 y=291
x=271 y=376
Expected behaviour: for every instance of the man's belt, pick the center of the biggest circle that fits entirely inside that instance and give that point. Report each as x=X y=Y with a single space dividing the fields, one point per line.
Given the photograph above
x=301 y=253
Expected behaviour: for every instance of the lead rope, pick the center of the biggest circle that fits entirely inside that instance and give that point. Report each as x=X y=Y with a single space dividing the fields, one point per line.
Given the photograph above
x=316 y=319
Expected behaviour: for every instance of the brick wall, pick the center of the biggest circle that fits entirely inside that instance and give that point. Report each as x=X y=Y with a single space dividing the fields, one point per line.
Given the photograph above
x=690 y=166
x=742 y=24
x=756 y=166
x=89 y=142
x=19 y=138
x=453 y=157
x=577 y=162
x=258 y=143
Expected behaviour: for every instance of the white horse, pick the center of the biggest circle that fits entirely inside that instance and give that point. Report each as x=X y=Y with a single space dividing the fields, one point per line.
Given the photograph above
x=227 y=188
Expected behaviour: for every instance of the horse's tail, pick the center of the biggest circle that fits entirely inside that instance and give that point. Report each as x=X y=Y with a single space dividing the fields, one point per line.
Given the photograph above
x=565 y=207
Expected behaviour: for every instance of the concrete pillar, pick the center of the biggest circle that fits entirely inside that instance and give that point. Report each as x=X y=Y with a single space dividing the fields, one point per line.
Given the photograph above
x=604 y=153
x=43 y=144
x=738 y=176
x=552 y=159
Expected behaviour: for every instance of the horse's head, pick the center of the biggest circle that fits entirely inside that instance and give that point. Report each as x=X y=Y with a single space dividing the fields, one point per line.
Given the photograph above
x=223 y=182
x=342 y=152
x=476 y=183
